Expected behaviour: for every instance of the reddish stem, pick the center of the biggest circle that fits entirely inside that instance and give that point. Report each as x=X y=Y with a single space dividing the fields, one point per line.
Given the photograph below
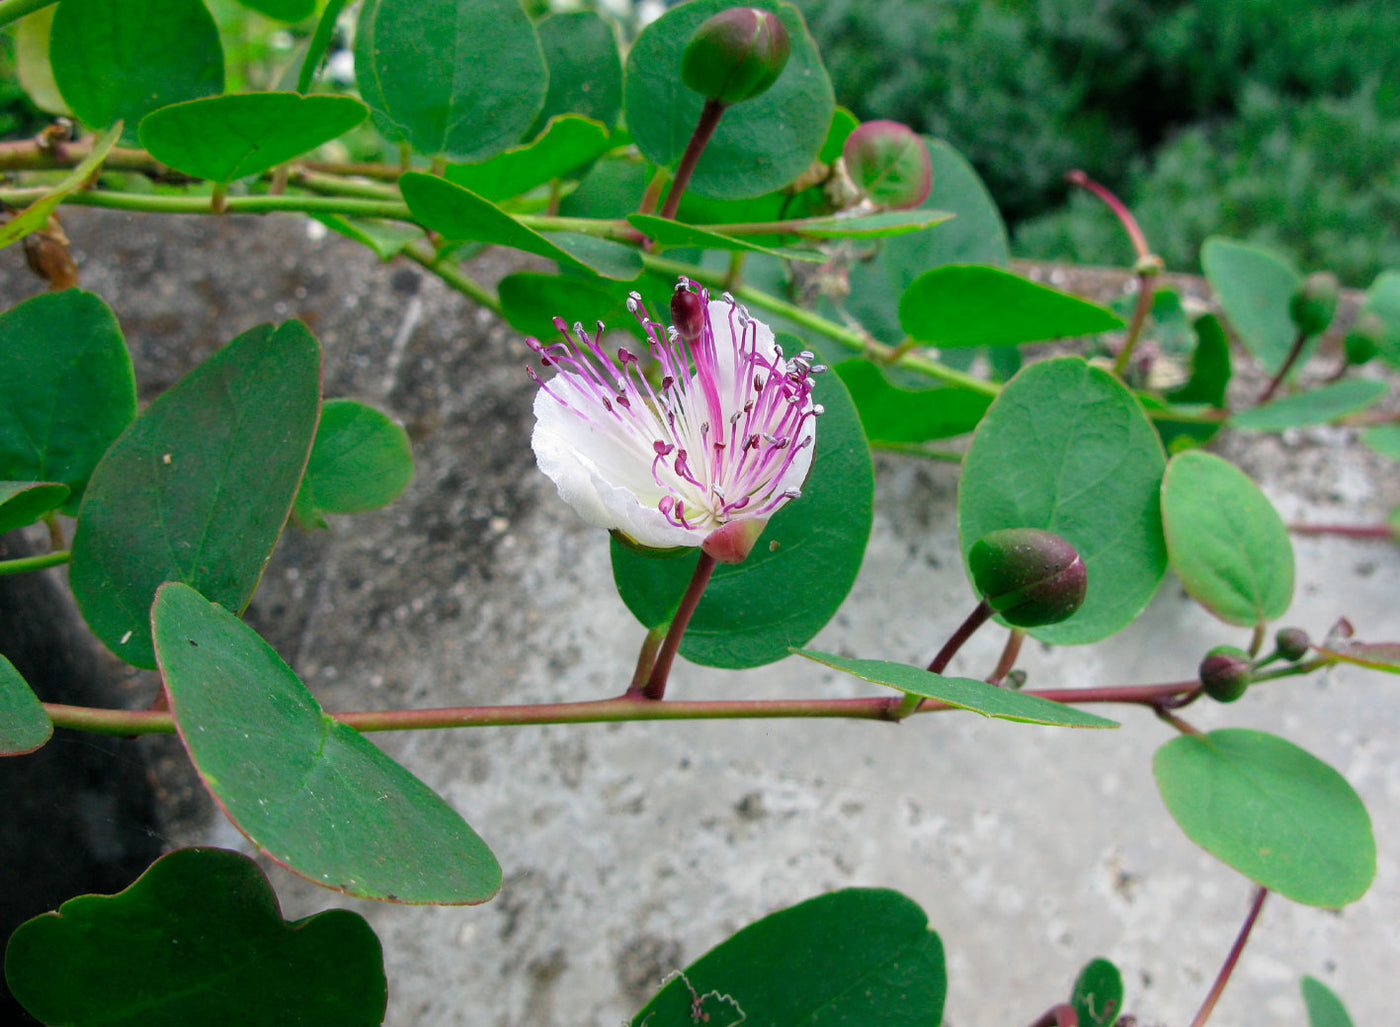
x=1384 y=531
x=1116 y=205
x=661 y=669
x=1288 y=362
x=975 y=620
x=1009 y=653
x=1062 y=1015
x=1223 y=978
x=704 y=129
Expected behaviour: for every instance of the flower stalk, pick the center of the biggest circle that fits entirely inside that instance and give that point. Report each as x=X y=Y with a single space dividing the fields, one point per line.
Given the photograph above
x=661 y=670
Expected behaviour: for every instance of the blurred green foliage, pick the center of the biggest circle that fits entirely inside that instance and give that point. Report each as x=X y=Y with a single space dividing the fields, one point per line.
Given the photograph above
x=1272 y=120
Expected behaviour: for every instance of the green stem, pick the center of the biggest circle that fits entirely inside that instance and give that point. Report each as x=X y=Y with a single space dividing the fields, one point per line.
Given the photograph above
x=623 y=708
x=852 y=340
x=1140 y=312
x=660 y=670
x=320 y=42
x=13 y=10
x=160 y=204
x=21 y=564
x=1306 y=667
x=951 y=456
x=704 y=130
x=451 y=273
x=1223 y=978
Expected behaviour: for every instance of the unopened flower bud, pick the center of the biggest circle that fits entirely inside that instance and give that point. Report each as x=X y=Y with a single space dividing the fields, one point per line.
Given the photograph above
x=736 y=55
x=889 y=163
x=1226 y=673
x=1365 y=339
x=1315 y=302
x=687 y=314
x=1029 y=576
x=1292 y=643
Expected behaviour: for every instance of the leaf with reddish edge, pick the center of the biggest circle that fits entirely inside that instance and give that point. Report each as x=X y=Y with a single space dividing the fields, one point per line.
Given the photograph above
x=197 y=939
x=1375 y=655
x=24 y=502
x=310 y=792
x=24 y=726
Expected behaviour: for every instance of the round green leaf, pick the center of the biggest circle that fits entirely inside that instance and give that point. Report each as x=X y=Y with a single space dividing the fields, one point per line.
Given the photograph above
x=221 y=138
x=310 y=792
x=1066 y=448
x=24 y=502
x=68 y=386
x=567 y=144
x=1225 y=540
x=761 y=144
x=1254 y=286
x=1384 y=439
x=1314 y=406
x=460 y=78
x=360 y=461
x=460 y=214
x=197 y=939
x=1383 y=300
x=798 y=574
x=892 y=414
x=1098 y=994
x=585 y=67
x=24 y=726
x=123 y=60
x=198 y=487
x=970 y=305
x=857 y=956
x=964 y=693
x=1325 y=1009
x=1275 y=813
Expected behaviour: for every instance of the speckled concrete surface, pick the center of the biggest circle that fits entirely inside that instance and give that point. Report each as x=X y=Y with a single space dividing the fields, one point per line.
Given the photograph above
x=631 y=849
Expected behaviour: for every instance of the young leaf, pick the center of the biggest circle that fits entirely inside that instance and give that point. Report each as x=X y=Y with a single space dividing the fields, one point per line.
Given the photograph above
x=857 y=956
x=459 y=214
x=24 y=726
x=1315 y=406
x=964 y=693
x=1210 y=365
x=1066 y=447
x=885 y=225
x=1098 y=994
x=68 y=385
x=1373 y=655
x=461 y=79
x=968 y=305
x=1325 y=1009
x=119 y=62
x=1275 y=813
x=1254 y=286
x=24 y=502
x=386 y=238
x=798 y=574
x=36 y=215
x=360 y=461
x=198 y=487
x=568 y=143
x=32 y=65
x=313 y=794
x=667 y=234
x=1225 y=540
x=891 y=414
x=585 y=68
x=197 y=939
x=222 y=138
x=761 y=144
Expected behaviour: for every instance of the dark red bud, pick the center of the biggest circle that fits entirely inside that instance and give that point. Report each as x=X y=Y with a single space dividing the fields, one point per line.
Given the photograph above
x=687 y=314
x=1029 y=576
x=736 y=55
x=1292 y=643
x=1226 y=673
x=889 y=163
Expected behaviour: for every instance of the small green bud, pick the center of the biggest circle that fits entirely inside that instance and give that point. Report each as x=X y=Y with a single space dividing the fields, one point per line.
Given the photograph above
x=1292 y=643
x=889 y=163
x=1365 y=339
x=736 y=55
x=1314 y=303
x=1226 y=673
x=1029 y=576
